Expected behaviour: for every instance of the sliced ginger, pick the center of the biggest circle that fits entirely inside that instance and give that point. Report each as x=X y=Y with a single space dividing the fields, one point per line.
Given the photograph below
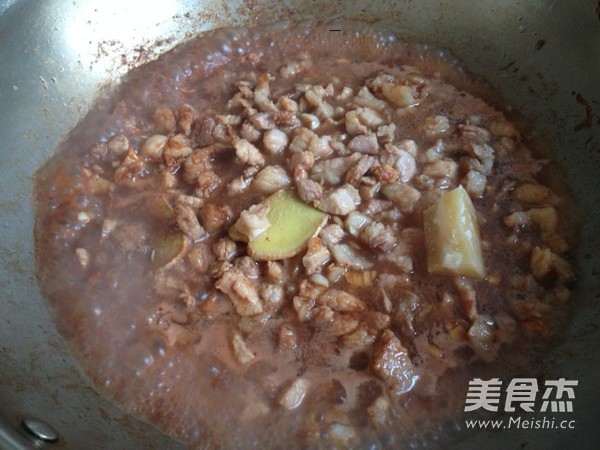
x=293 y=223
x=167 y=249
x=452 y=236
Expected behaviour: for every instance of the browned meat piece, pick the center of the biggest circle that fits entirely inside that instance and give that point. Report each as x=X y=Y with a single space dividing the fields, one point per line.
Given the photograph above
x=130 y=170
x=367 y=99
x=484 y=154
x=404 y=196
x=215 y=218
x=164 y=119
x=241 y=291
x=198 y=162
x=224 y=249
x=482 y=336
x=340 y=301
x=434 y=127
x=385 y=173
x=275 y=141
x=331 y=234
x=391 y=363
x=474 y=133
x=206 y=184
x=297 y=167
x=201 y=257
x=340 y=201
x=253 y=222
x=238 y=185
x=186 y=115
x=271 y=179
x=263 y=121
x=248 y=153
x=468 y=297
x=302 y=141
x=288 y=109
x=386 y=133
x=350 y=257
x=309 y=190
x=355 y=173
x=287 y=337
x=247 y=266
x=534 y=193
x=240 y=349
x=188 y=222
x=249 y=132
x=201 y=132
x=378 y=237
x=544 y=262
x=262 y=94
x=274 y=272
x=272 y=295
x=364 y=143
x=376 y=206
x=401 y=160
x=292 y=395
x=176 y=150
x=330 y=171
x=118 y=145
x=362 y=120
x=153 y=147
x=475 y=182
x=316 y=256
x=442 y=168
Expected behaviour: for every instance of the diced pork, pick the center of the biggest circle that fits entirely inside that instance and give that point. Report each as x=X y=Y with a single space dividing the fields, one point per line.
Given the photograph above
x=331 y=171
x=340 y=301
x=378 y=237
x=392 y=364
x=404 y=196
x=401 y=160
x=188 y=222
x=340 y=201
x=316 y=256
x=474 y=182
x=331 y=234
x=364 y=143
x=241 y=291
x=309 y=190
x=271 y=179
x=253 y=222
x=248 y=153
x=356 y=172
x=291 y=396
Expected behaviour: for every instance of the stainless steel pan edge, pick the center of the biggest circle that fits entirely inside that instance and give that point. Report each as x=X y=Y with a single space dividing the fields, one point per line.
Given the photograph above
x=56 y=56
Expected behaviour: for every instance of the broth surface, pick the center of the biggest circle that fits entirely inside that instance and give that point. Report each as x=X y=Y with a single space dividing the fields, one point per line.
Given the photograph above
x=145 y=213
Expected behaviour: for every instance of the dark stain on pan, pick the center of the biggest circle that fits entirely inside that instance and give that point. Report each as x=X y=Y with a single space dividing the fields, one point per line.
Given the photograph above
x=539 y=44
x=589 y=120
x=598 y=10
x=510 y=67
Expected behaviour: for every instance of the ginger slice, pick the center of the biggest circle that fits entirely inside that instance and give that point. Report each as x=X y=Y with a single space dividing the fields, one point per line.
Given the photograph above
x=293 y=223
x=452 y=236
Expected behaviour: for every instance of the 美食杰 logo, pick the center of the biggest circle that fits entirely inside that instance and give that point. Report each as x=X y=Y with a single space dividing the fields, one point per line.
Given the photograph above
x=521 y=395
x=558 y=395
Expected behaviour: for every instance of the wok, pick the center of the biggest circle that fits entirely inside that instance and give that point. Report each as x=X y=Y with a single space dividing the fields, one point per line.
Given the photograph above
x=57 y=56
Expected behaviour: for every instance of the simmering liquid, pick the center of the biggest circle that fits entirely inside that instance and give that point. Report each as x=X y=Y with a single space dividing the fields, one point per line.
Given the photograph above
x=350 y=341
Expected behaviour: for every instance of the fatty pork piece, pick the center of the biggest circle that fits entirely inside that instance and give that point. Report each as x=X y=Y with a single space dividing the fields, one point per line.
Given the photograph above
x=392 y=364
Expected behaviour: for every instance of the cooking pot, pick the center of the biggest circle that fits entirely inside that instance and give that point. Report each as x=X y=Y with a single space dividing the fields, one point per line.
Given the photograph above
x=57 y=56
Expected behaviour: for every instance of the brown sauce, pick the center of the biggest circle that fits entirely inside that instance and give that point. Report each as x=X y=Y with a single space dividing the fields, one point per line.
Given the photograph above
x=130 y=292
